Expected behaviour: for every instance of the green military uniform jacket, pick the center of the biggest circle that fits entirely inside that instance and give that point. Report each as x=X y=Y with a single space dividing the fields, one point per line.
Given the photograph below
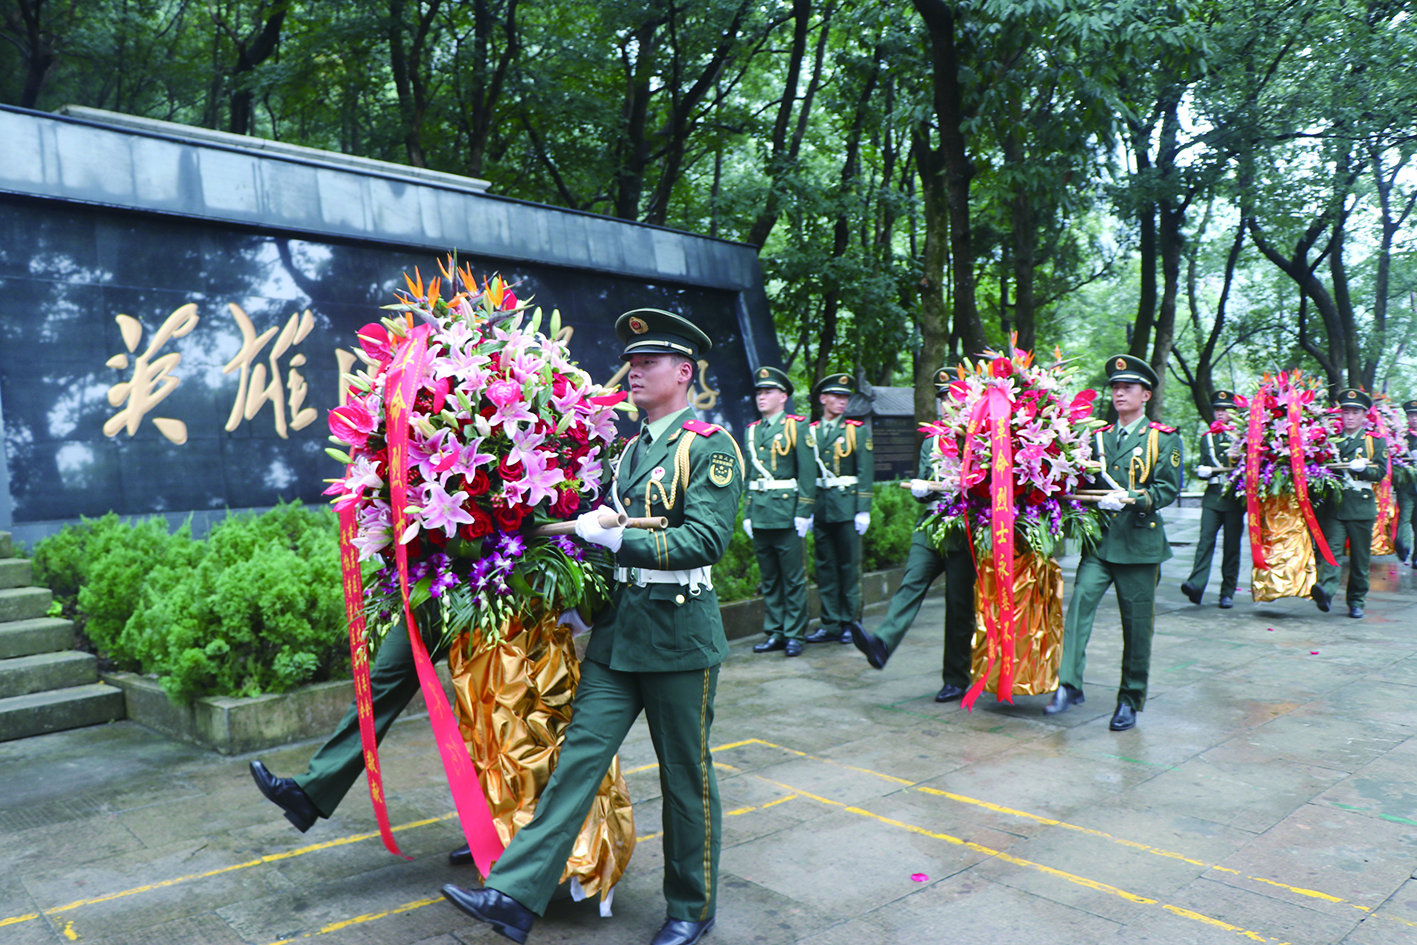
x=1214 y=453
x=782 y=473
x=1147 y=464
x=693 y=477
x=846 y=469
x=1410 y=486
x=1357 y=500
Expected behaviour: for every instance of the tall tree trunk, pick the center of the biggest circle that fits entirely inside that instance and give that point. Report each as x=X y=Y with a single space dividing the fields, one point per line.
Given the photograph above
x=1146 y=246
x=957 y=170
x=251 y=51
x=406 y=59
x=488 y=79
x=934 y=314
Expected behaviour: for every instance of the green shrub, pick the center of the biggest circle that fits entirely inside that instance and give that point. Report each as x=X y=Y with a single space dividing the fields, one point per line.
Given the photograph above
x=262 y=611
x=117 y=576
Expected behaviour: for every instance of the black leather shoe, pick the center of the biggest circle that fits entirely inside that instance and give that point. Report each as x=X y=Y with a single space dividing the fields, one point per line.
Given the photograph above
x=1064 y=698
x=1226 y=603
x=1124 y=718
x=681 y=932
x=1355 y=611
x=1192 y=593
x=867 y=643
x=462 y=856
x=846 y=632
x=949 y=693
x=1321 y=597
x=793 y=646
x=775 y=642
x=507 y=917
x=287 y=795
x=823 y=635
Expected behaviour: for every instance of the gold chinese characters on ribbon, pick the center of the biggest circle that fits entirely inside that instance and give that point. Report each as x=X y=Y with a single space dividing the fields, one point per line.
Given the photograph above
x=1288 y=550
x=513 y=705
x=1038 y=637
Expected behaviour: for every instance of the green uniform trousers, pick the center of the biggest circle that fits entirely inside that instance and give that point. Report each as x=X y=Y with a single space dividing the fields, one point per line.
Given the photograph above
x=1211 y=522
x=838 y=553
x=679 y=710
x=1359 y=533
x=922 y=566
x=1136 y=600
x=393 y=682
x=1404 y=543
x=784 y=580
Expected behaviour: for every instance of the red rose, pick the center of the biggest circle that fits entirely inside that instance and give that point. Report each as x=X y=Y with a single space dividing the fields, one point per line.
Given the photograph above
x=566 y=504
x=508 y=519
x=559 y=384
x=480 y=525
x=579 y=433
x=509 y=473
x=478 y=485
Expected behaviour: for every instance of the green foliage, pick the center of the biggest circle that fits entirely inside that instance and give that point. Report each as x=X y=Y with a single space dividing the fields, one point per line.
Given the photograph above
x=257 y=607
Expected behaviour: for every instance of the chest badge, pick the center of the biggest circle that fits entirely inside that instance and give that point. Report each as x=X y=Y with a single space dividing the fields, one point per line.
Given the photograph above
x=657 y=473
x=1136 y=450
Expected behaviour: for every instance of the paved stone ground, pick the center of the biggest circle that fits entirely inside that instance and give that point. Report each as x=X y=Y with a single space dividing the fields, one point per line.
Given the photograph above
x=1269 y=794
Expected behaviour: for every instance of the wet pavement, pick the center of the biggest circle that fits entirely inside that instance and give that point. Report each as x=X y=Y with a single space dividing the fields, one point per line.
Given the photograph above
x=1268 y=794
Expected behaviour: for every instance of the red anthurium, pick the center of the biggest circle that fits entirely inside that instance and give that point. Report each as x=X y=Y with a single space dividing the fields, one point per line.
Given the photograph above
x=440 y=392
x=959 y=390
x=374 y=339
x=1082 y=405
x=608 y=400
x=352 y=423
x=1002 y=367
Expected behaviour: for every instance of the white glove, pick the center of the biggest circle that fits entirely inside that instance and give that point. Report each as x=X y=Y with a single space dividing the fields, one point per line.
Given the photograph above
x=1204 y=472
x=748 y=527
x=1113 y=501
x=1358 y=465
x=863 y=522
x=919 y=488
x=803 y=526
x=570 y=617
x=588 y=527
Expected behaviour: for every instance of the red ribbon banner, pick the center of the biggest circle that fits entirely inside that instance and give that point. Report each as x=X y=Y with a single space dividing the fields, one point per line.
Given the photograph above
x=359 y=660
x=1301 y=481
x=410 y=364
x=994 y=411
x=1253 y=436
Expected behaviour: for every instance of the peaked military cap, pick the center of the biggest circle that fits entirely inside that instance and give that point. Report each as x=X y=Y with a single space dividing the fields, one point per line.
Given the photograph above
x=1125 y=369
x=1410 y=406
x=836 y=384
x=655 y=331
x=1224 y=398
x=944 y=377
x=1353 y=397
x=772 y=377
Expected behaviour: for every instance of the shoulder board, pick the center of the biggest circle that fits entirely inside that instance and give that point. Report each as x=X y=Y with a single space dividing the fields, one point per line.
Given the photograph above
x=793 y=416
x=1103 y=429
x=1162 y=427
x=753 y=424
x=702 y=428
x=816 y=423
x=854 y=423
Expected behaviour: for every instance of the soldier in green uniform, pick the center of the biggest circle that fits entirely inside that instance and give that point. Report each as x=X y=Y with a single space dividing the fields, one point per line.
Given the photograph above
x=845 y=473
x=1407 y=493
x=782 y=488
x=922 y=566
x=1141 y=464
x=1350 y=514
x=1217 y=510
x=656 y=648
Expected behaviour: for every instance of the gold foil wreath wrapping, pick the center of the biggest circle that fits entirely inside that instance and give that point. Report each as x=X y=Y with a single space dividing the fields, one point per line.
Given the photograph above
x=513 y=705
x=1288 y=549
x=1383 y=526
x=1038 y=639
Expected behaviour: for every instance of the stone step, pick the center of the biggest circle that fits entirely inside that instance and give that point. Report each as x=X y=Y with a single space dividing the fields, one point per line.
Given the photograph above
x=59 y=709
x=38 y=635
x=22 y=675
x=7 y=547
x=16 y=572
x=23 y=603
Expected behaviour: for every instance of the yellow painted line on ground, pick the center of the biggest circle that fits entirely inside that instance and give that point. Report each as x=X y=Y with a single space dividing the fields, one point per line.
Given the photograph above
x=269 y=858
x=1029 y=864
x=1049 y=821
x=729 y=813
x=361 y=919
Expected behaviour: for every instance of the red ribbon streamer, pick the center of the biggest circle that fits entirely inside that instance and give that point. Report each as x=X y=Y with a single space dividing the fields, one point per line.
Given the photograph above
x=410 y=364
x=1301 y=482
x=995 y=409
x=1385 y=487
x=359 y=661
x=1252 y=478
